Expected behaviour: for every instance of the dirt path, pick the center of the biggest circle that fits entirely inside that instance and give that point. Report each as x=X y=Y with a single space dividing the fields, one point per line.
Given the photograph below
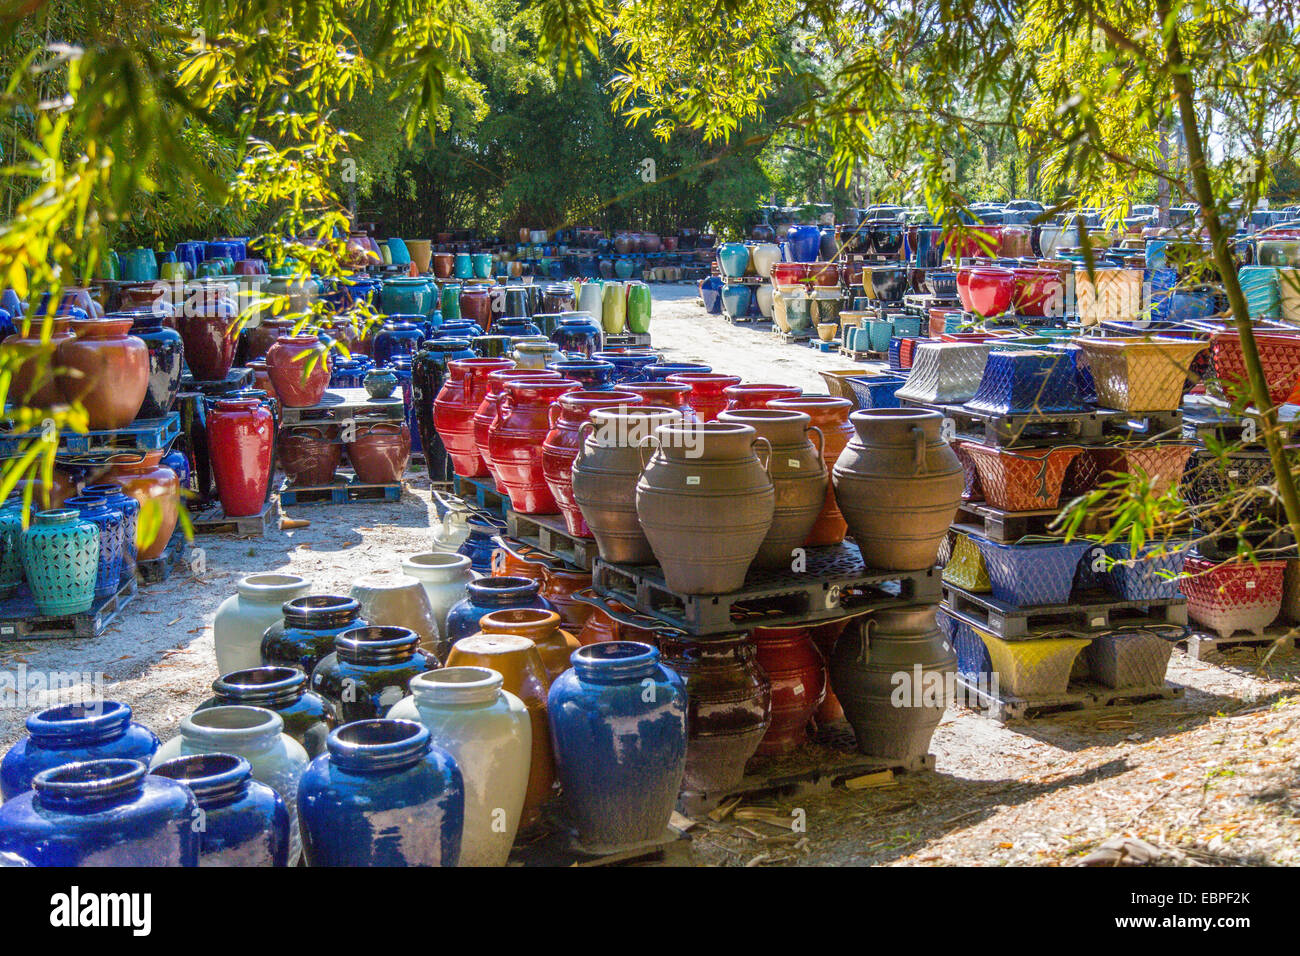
x=1211 y=776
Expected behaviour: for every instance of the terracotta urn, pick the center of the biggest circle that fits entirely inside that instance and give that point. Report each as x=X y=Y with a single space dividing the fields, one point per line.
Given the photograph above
x=756 y=395
x=602 y=627
x=287 y=363
x=831 y=416
x=380 y=451
x=559 y=586
x=310 y=454
x=106 y=369
x=35 y=380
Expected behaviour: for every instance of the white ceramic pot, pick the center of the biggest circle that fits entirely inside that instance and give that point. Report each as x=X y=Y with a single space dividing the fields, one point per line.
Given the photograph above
x=443 y=575
x=762 y=255
x=489 y=733
x=397 y=600
x=589 y=299
x=452 y=532
x=764 y=295
x=245 y=615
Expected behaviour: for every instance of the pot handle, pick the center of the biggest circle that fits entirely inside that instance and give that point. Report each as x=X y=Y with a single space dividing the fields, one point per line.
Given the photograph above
x=864 y=646
x=589 y=597
x=821 y=442
x=767 y=461
x=552 y=413
x=585 y=431
x=918 y=434
x=641 y=446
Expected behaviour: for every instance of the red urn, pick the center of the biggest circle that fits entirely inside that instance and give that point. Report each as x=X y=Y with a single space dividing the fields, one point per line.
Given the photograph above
x=240 y=434
x=670 y=395
x=707 y=394
x=454 y=408
x=516 y=442
x=488 y=408
x=563 y=442
x=757 y=395
x=831 y=415
x=207 y=328
x=287 y=363
x=797 y=671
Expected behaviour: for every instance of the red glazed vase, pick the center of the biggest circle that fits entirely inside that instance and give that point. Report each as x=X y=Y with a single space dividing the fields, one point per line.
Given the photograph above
x=143 y=476
x=486 y=413
x=798 y=675
x=989 y=290
x=476 y=305
x=831 y=415
x=1038 y=292
x=454 y=408
x=240 y=438
x=110 y=371
x=791 y=273
x=563 y=443
x=516 y=437
x=206 y=325
x=286 y=363
x=751 y=395
x=310 y=454
x=707 y=391
x=380 y=451
x=670 y=395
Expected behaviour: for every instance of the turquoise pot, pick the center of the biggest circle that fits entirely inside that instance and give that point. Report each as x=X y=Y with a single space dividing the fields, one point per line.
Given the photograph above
x=463 y=266
x=450 y=302
x=11 y=558
x=733 y=259
x=60 y=554
x=1263 y=294
x=139 y=265
x=409 y=296
x=623 y=269
x=879 y=333
x=735 y=299
x=398 y=252
x=482 y=262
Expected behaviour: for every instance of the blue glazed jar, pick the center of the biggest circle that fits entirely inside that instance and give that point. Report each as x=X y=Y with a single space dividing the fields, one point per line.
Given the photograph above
x=462 y=266
x=370 y=671
x=112 y=539
x=803 y=243
x=591 y=374
x=478 y=545
x=618 y=725
x=458 y=329
x=515 y=327
x=166 y=361
x=129 y=508
x=350 y=373
x=486 y=595
x=577 y=334
x=306 y=633
x=711 y=294
x=629 y=367
x=245 y=823
x=659 y=371
x=397 y=251
x=179 y=463
x=282 y=690
x=11 y=536
x=70 y=734
x=60 y=554
x=102 y=813
x=382 y=795
x=401 y=335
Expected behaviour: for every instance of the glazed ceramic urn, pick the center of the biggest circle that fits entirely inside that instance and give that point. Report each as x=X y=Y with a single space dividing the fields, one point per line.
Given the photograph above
x=542 y=627
x=562 y=443
x=618 y=724
x=106 y=369
x=380 y=451
x=299 y=366
x=206 y=325
x=516 y=440
x=487 y=731
x=241 y=433
x=489 y=410
x=307 y=628
x=72 y=733
x=705 y=483
x=797 y=673
x=107 y=812
x=60 y=553
x=307 y=718
x=497 y=593
x=166 y=362
x=397 y=600
x=708 y=391
x=605 y=474
x=383 y=795
x=369 y=671
x=898 y=484
x=36 y=378
x=245 y=823
x=454 y=408
x=243 y=618
x=157 y=488
x=256 y=735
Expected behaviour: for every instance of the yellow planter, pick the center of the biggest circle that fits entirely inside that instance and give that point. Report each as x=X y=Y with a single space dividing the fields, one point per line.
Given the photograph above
x=1034 y=668
x=965 y=568
x=1139 y=374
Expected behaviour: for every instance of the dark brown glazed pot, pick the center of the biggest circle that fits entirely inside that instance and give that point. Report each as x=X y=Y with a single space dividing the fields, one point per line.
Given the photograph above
x=798 y=675
x=206 y=325
x=798 y=478
x=899 y=485
x=380 y=451
x=476 y=305
x=831 y=415
x=704 y=483
x=106 y=369
x=605 y=476
x=295 y=386
x=35 y=381
x=442 y=264
x=310 y=454
x=729 y=707
x=258 y=339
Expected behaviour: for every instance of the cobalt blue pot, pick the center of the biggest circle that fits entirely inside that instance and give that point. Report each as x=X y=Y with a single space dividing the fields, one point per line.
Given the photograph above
x=515 y=327
x=382 y=795
x=577 y=334
x=592 y=374
x=102 y=813
x=245 y=823
x=629 y=367
x=802 y=243
x=350 y=373
x=401 y=335
x=307 y=631
x=166 y=361
x=486 y=595
x=876 y=391
x=370 y=671
x=478 y=546
x=70 y=734
x=112 y=540
x=129 y=508
x=458 y=329
x=7 y=327
x=973 y=661
x=179 y=463
x=1035 y=572
x=618 y=726
x=711 y=295
x=659 y=371
x=1017 y=382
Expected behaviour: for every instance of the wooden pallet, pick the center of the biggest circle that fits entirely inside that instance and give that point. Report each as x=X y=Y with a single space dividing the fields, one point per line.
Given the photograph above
x=151 y=434
x=1042 y=428
x=549 y=533
x=483 y=494
x=342 y=404
x=341 y=491
x=1201 y=643
x=159 y=569
x=20 y=621
x=214 y=521
x=1081 y=695
x=835 y=583
x=1087 y=614
x=829 y=760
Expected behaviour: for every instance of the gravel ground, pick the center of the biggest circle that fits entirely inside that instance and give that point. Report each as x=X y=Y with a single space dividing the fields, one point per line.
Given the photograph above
x=1209 y=778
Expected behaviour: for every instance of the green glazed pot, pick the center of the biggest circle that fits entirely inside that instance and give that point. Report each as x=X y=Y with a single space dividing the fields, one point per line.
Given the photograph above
x=638 y=307
x=11 y=558
x=60 y=553
x=409 y=296
x=450 y=302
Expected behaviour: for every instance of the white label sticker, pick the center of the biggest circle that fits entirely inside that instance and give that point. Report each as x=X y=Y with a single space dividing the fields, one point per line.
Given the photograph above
x=1250 y=585
x=1232 y=473
x=792 y=462
x=692 y=479
x=1098 y=622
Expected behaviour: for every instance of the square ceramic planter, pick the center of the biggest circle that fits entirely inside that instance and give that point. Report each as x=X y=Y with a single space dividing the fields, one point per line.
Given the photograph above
x=1279 y=354
x=973 y=490
x=1140 y=374
x=1151 y=575
x=1213 y=482
x=1026 y=382
x=837 y=380
x=879 y=332
x=907 y=325
x=877 y=391
x=1023 y=480
x=1034 y=571
x=1132 y=658
x=1162 y=463
x=1239 y=596
x=965 y=566
x=945 y=373
x=1037 y=668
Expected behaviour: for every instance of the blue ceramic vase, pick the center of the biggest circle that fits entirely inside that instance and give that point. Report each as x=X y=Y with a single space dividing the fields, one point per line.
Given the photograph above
x=478 y=545
x=112 y=540
x=60 y=554
x=382 y=795
x=492 y=594
x=349 y=373
x=593 y=375
x=577 y=334
x=629 y=367
x=401 y=335
x=618 y=726
x=659 y=371
x=129 y=508
x=370 y=671
x=11 y=537
x=803 y=243
x=306 y=633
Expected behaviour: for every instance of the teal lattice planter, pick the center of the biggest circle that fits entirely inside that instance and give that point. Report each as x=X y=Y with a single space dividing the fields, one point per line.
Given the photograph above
x=61 y=557
x=11 y=560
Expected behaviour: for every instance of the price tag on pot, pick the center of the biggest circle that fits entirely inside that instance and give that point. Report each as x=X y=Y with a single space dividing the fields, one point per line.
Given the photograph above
x=1232 y=473
x=833 y=596
x=692 y=479
x=1097 y=621
x=792 y=463
x=1250 y=585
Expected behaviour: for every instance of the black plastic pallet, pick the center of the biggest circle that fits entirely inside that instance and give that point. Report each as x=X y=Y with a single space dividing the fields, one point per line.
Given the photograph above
x=214 y=521
x=1199 y=643
x=482 y=493
x=1030 y=429
x=342 y=491
x=150 y=434
x=975 y=517
x=20 y=621
x=548 y=533
x=626 y=340
x=1267 y=543
x=1088 y=613
x=834 y=583
x=1080 y=696
x=342 y=404
x=159 y=569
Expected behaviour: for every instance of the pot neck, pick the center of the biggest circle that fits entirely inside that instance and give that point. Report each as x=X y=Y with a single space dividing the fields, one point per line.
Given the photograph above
x=460 y=687
x=270 y=588
x=272 y=687
x=233 y=728
x=615 y=662
x=504 y=591
x=91 y=786
x=215 y=779
x=321 y=612
x=376 y=645
x=378 y=746
x=79 y=725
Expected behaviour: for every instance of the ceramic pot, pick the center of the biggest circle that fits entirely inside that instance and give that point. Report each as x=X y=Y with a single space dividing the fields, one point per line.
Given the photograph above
x=206 y=325
x=613 y=308
x=101 y=813
x=669 y=395
x=307 y=628
x=489 y=409
x=638 y=308
x=36 y=379
x=554 y=645
x=368 y=671
x=602 y=627
x=157 y=489
x=429 y=372
x=259 y=338
x=380 y=452
x=605 y=474
x=287 y=362
x=60 y=553
x=509 y=562
x=117 y=499
x=112 y=541
x=454 y=410
x=520 y=665
x=729 y=708
x=443 y=575
x=398 y=600
x=478 y=544
x=578 y=333
x=310 y=454
x=72 y=733
x=797 y=673
x=245 y=823
x=803 y=243
x=708 y=391
x=516 y=439
x=559 y=585
x=562 y=443
x=485 y=596
x=618 y=723
x=799 y=478
x=106 y=369
x=283 y=690
x=254 y=734
x=757 y=395
x=592 y=374
x=898 y=485
x=488 y=732
x=382 y=795
x=705 y=481
x=240 y=433
x=824 y=638
x=421 y=251
x=890 y=720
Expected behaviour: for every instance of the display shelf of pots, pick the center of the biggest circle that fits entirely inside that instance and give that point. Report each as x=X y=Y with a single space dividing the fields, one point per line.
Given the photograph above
x=339 y=405
x=141 y=435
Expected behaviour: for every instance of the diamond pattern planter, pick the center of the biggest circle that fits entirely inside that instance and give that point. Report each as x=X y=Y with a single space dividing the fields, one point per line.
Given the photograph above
x=877 y=391
x=965 y=566
x=945 y=373
x=1034 y=571
x=1024 y=480
x=1132 y=658
x=1038 y=668
x=1140 y=374
x=1239 y=596
x=1028 y=381
x=973 y=491
x=1163 y=464
x=973 y=660
x=1278 y=353
x=1152 y=575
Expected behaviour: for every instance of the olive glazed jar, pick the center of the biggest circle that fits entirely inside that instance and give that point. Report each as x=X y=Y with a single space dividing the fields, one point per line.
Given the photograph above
x=706 y=504
x=306 y=632
x=102 y=813
x=382 y=795
x=245 y=823
x=72 y=733
x=369 y=671
x=488 y=732
x=243 y=617
x=618 y=724
x=898 y=485
x=283 y=690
